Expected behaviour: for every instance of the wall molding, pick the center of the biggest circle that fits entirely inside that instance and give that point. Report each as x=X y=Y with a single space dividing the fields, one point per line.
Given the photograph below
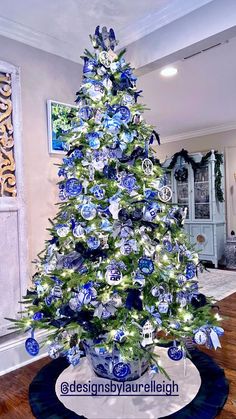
x=142 y=27
x=198 y=133
x=13 y=354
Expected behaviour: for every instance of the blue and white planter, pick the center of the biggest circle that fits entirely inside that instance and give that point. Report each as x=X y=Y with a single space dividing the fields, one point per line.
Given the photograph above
x=111 y=365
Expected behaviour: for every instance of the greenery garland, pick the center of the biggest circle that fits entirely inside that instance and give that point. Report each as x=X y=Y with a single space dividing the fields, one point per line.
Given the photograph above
x=218 y=161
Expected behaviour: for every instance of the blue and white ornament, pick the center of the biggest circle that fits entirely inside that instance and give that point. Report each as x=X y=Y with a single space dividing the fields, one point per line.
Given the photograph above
x=200 y=337
x=85 y=113
x=120 y=336
x=88 y=211
x=129 y=182
x=128 y=99
x=73 y=187
x=163 y=307
x=113 y=275
x=96 y=91
x=94 y=141
x=121 y=370
x=127 y=137
x=146 y=265
x=93 y=242
x=62 y=230
x=54 y=350
x=124 y=113
x=98 y=192
x=78 y=231
x=175 y=353
x=75 y=304
x=31 y=345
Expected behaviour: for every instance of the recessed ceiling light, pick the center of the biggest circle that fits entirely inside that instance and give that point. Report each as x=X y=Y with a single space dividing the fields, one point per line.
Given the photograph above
x=169 y=72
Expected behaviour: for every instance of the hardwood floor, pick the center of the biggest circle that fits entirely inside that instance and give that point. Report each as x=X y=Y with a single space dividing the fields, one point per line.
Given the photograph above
x=14 y=386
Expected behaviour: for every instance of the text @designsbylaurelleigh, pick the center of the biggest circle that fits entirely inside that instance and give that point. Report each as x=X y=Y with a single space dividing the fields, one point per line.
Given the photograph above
x=111 y=388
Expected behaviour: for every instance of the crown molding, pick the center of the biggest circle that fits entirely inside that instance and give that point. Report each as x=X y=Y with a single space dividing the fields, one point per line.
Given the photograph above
x=142 y=27
x=198 y=133
x=42 y=41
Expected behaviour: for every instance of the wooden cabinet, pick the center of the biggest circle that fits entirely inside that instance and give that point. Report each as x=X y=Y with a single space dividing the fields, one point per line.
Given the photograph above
x=205 y=222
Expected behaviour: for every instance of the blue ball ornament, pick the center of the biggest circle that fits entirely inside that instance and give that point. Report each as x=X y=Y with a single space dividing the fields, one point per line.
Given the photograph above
x=98 y=192
x=38 y=316
x=32 y=346
x=73 y=187
x=85 y=113
x=93 y=242
x=124 y=113
x=88 y=211
x=128 y=182
x=121 y=370
x=146 y=265
x=175 y=353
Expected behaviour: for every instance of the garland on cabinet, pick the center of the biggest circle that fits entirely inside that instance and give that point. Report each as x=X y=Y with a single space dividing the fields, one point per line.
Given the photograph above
x=181 y=172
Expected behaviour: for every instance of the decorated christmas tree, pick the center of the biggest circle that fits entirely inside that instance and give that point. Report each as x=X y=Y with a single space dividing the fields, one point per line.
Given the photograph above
x=118 y=276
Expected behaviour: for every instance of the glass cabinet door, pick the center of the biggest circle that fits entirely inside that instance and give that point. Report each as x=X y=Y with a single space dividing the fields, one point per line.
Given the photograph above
x=182 y=194
x=201 y=193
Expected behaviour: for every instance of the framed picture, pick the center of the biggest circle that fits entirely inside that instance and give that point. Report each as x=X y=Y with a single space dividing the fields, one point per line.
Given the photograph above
x=59 y=123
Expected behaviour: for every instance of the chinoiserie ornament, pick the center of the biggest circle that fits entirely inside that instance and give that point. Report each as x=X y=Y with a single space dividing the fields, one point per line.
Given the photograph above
x=113 y=275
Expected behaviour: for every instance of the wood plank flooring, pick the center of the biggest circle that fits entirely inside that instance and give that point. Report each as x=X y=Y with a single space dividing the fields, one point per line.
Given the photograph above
x=14 y=386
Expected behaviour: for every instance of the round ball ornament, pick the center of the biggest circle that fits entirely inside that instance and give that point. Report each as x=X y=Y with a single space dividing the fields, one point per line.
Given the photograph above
x=32 y=346
x=93 y=242
x=54 y=350
x=62 y=230
x=146 y=266
x=94 y=141
x=113 y=276
x=121 y=370
x=128 y=99
x=88 y=211
x=175 y=353
x=73 y=187
x=128 y=182
x=165 y=193
x=155 y=291
x=200 y=337
x=85 y=113
x=98 y=192
x=124 y=113
x=75 y=304
x=137 y=214
x=120 y=336
x=84 y=296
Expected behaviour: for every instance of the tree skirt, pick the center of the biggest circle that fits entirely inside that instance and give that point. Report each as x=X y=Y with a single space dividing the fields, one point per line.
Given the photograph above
x=202 y=392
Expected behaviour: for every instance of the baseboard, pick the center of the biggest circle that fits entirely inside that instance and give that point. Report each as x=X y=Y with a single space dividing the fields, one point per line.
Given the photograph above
x=13 y=354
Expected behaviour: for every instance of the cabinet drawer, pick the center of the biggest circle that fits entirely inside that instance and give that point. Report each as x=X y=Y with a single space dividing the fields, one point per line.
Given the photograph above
x=202 y=235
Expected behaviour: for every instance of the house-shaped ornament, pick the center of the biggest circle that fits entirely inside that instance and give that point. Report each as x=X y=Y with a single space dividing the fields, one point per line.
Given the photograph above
x=147 y=333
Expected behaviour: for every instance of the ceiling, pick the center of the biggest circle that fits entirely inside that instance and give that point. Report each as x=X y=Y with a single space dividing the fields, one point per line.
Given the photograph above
x=203 y=94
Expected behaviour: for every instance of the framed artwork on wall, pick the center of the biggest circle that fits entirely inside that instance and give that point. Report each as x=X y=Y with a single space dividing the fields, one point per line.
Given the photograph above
x=59 y=122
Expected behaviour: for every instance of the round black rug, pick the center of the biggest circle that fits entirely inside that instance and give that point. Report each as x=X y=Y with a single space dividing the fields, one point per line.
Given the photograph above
x=210 y=399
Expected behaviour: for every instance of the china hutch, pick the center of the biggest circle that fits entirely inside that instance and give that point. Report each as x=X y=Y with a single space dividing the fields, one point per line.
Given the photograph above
x=205 y=221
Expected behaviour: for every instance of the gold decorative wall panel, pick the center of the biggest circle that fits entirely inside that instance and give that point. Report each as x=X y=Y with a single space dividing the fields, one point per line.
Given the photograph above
x=7 y=161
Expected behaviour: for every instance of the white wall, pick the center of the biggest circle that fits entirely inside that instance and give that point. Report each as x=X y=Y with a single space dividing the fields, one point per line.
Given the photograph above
x=43 y=76
x=224 y=142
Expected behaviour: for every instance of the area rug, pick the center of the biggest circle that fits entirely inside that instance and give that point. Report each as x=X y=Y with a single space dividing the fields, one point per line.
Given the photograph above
x=217 y=283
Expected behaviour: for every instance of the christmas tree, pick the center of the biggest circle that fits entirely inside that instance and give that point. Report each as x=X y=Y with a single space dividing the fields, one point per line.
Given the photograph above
x=117 y=276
